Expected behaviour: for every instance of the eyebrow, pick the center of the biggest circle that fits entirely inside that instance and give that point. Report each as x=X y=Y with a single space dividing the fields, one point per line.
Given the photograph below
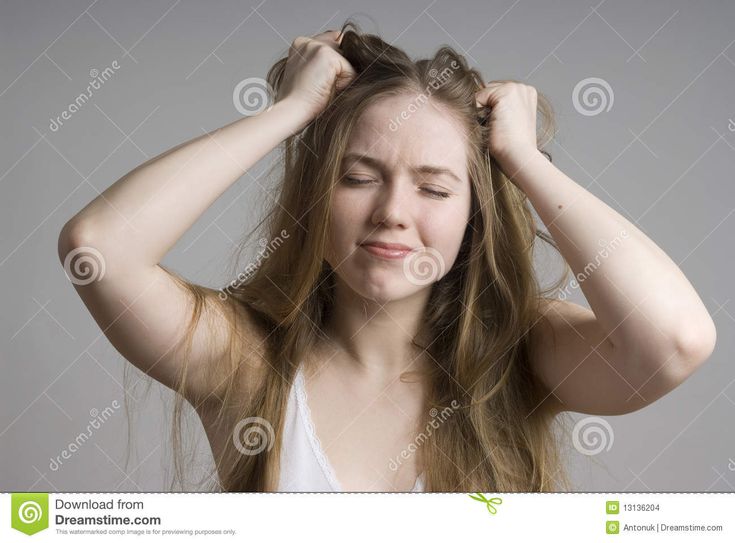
x=424 y=168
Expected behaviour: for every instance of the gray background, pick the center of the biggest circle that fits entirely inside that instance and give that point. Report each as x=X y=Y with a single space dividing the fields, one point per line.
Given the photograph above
x=663 y=156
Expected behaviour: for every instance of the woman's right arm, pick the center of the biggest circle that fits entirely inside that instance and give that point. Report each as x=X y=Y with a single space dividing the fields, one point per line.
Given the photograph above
x=139 y=306
x=136 y=221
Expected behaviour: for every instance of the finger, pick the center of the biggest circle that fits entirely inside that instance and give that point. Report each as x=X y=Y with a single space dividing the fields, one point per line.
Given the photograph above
x=330 y=37
x=327 y=38
x=488 y=96
x=345 y=75
x=328 y=34
x=299 y=41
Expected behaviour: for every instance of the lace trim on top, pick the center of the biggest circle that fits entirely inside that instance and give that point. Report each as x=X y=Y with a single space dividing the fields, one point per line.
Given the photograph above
x=316 y=446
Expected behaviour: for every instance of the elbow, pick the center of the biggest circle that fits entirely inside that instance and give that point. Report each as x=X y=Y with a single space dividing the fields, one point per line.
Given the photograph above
x=83 y=263
x=694 y=346
x=683 y=354
x=696 y=343
x=76 y=245
x=676 y=358
x=70 y=238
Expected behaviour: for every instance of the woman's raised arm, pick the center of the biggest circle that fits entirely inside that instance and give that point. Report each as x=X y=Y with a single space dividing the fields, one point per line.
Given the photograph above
x=139 y=306
x=135 y=222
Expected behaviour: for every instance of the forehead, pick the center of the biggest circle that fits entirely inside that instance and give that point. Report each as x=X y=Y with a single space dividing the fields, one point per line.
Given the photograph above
x=409 y=129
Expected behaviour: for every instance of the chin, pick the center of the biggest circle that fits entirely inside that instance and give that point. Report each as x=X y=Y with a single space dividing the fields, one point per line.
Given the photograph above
x=380 y=295
x=385 y=288
x=377 y=283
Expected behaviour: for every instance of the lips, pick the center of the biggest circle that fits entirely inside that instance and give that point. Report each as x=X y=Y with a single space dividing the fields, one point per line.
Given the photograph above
x=385 y=250
x=388 y=246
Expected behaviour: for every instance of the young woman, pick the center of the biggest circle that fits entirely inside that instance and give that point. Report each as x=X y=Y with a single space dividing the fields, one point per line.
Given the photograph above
x=396 y=338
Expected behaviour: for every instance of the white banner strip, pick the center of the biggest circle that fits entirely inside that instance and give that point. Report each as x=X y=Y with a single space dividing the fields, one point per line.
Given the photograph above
x=172 y=517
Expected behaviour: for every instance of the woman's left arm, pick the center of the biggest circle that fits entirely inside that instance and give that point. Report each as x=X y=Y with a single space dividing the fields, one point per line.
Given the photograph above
x=648 y=328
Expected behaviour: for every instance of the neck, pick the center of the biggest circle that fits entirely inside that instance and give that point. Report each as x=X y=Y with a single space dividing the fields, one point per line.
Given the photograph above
x=375 y=338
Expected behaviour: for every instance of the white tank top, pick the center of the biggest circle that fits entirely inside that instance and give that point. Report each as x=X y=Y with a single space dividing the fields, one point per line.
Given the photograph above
x=304 y=465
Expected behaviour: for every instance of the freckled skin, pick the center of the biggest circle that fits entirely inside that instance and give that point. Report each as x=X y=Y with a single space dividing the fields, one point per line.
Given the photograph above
x=394 y=205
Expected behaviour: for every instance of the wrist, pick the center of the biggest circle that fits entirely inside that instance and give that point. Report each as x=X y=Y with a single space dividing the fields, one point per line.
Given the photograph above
x=295 y=112
x=514 y=162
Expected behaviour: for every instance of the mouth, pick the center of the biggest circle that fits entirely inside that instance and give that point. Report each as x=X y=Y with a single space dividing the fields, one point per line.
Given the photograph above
x=387 y=250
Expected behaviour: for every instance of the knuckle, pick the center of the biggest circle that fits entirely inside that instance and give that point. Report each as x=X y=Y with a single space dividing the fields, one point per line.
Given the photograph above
x=324 y=52
x=298 y=41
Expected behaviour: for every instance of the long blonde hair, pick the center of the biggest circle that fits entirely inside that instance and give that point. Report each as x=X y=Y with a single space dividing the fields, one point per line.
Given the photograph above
x=480 y=315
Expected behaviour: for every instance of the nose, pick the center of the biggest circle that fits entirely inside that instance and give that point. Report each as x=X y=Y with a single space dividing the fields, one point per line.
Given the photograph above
x=390 y=209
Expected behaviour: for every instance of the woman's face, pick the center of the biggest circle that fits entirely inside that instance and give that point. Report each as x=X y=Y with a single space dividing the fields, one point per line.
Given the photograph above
x=404 y=181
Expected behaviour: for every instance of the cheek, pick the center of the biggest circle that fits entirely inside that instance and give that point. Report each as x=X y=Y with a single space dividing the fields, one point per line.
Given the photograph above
x=346 y=201
x=349 y=212
x=444 y=233
x=345 y=204
x=346 y=217
x=448 y=221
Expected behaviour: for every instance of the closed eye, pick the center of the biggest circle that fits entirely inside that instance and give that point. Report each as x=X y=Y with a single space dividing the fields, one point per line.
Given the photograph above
x=356 y=181
x=434 y=193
